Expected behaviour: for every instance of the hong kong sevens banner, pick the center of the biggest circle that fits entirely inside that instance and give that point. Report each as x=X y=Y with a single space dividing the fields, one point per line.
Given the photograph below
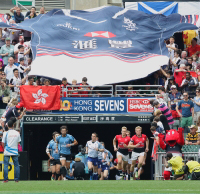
x=106 y=45
x=104 y=105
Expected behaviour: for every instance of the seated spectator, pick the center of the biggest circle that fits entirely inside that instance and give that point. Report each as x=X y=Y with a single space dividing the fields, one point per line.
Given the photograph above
x=162 y=94
x=194 y=62
x=74 y=93
x=9 y=69
x=47 y=82
x=171 y=83
x=163 y=119
x=130 y=93
x=174 y=97
x=31 y=14
x=192 y=137
x=30 y=81
x=189 y=84
x=159 y=123
x=176 y=60
x=4 y=93
x=165 y=110
x=19 y=17
x=84 y=90
x=78 y=169
x=179 y=74
x=1 y=65
x=64 y=89
x=196 y=102
x=183 y=57
x=193 y=48
x=42 y=10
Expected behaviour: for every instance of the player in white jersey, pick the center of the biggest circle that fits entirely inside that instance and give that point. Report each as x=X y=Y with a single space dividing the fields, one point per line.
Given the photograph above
x=92 y=149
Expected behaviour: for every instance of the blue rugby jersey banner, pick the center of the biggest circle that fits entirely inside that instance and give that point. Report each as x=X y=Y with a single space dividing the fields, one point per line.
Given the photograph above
x=165 y=7
x=107 y=45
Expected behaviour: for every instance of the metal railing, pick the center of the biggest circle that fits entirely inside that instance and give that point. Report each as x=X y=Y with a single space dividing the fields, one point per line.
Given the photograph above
x=106 y=91
x=119 y=91
x=160 y=166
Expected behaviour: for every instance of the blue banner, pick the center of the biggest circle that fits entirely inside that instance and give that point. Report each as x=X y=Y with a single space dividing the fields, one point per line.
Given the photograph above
x=92 y=105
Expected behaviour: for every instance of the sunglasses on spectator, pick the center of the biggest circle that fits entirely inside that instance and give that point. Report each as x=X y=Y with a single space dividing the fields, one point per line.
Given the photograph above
x=197 y=91
x=185 y=95
x=3 y=74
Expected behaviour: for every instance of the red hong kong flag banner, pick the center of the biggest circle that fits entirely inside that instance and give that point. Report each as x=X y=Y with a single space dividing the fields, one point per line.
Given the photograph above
x=40 y=97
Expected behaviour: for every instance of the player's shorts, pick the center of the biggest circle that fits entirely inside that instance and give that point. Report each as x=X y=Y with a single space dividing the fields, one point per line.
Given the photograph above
x=135 y=155
x=99 y=163
x=124 y=157
x=93 y=160
x=129 y=158
x=104 y=167
x=65 y=157
x=54 y=162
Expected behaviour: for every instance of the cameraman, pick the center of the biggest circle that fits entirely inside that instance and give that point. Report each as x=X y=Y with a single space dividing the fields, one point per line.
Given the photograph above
x=84 y=159
x=1 y=136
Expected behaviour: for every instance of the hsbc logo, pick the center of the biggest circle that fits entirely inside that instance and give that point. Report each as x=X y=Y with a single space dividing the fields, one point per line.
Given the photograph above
x=100 y=34
x=145 y=101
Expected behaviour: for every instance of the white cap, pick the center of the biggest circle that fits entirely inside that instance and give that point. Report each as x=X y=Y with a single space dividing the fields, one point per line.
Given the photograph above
x=182 y=65
x=173 y=86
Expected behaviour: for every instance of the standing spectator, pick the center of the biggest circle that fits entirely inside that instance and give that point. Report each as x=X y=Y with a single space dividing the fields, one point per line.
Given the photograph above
x=42 y=10
x=192 y=137
x=187 y=108
x=30 y=81
x=7 y=51
x=31 y=14
x=75 y=93
x=167 y=75
x=165 y=110
x=196 y=102
x=163 y=119
x=38 y=82
x=176 y=60
x=162 y=94
x=179 y=74
x=189 y=84
x=193 y=48
x=171 y=47
x=84 y=90
x=170 y=84
x=159 y=123
x=11 y=139
x=130 y=93
x=19 y=17
x=174 y=97
x=47 y=82
x=4 y=94
x=64 y=90
x=9 y=68
x=15 y=83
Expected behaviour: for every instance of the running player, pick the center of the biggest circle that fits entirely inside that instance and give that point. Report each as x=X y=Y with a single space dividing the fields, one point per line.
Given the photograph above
x=122 y=151
x=107 y=158
x=192 y=167
x=176 y=162
x=65 y=141
x=92 y=149
x=138 y=142
x=53 y=153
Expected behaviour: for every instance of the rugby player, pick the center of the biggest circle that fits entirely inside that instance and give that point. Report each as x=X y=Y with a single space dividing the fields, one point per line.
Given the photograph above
x=65 y=141
x=122 y=151
x=176 y=162
x=53 y=153
x=92 y=149
x=192 y=167
x=138 y=143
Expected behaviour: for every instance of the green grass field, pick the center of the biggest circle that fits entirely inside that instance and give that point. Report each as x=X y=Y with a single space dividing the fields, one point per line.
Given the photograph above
x=108 y=187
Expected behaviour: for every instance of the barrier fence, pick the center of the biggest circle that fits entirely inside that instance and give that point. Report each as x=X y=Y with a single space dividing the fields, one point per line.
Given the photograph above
x=160 y=163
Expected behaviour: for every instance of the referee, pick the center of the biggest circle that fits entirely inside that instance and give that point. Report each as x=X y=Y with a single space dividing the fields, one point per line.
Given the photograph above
x=10 y=141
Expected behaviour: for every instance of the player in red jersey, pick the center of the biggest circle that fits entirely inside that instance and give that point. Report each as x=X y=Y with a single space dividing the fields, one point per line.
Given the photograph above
x=84 y=90
x=122 y=151
x=63 y=88
x=139 y=151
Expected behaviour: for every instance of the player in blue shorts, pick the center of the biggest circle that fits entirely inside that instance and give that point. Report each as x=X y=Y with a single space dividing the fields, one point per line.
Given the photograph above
x=106 y=161
x=54 y=156
x=92 y=149
x=65 y=141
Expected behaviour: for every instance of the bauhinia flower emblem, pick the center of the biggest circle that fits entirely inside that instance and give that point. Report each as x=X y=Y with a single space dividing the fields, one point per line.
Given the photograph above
x=40 y=97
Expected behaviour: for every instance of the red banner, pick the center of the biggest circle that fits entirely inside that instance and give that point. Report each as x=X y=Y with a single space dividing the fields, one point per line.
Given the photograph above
x=40 y=97
x=139 y=105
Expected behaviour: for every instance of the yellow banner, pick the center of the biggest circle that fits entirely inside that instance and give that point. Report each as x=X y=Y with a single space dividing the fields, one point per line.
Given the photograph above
x=10 y=168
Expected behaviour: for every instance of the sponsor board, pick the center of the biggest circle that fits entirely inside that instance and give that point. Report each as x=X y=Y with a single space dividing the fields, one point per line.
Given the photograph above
x=139 y=105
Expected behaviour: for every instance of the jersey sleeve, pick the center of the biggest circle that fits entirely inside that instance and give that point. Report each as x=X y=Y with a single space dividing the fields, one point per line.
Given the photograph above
x=132 y=139
x=116 y=137
x=72 y=138
x=145 y=137
x=58 y=138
